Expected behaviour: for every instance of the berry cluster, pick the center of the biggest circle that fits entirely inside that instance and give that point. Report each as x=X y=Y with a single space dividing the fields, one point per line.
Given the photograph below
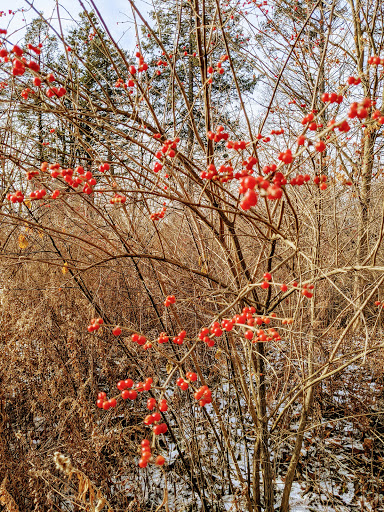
x=139 y=339
x=353 y=81
x=308 y=118
x=146 y=455
x=332 y=97
x=277 y=132
x=104 y=403
x=129 y=394
x=272 y=190
x=305 y=291
x=74 y=177
x=286 y=156
x=36 y=49
x=238 y=145
x=299 y=180
x=269 y=335
x=169 y=148
x=162 y=406
x=250 y=163
x=95 y=324
x=104 y=167
x=375 y=60
x=360 y=110
x=143 y=66
x=219 y=69
x=378 y=116
x=184 y=383
x=126 y=392
x=20 y=65
x=26 y=92
x=17 y=197
x=37 y=194
x=212 y=173
x=118 y=198
x=163 y=338
x=267 y=277
x=120 y=83
x=268 y=169
x=32 y=174
x=219 y=135
x=158 y=215
x=343 y=126
x=320 y=181
x=171 y=299
x=246 y=317
x=203 y=395
x=320 y=146
x=59 y=92
x=179 y=339
x=164 y=63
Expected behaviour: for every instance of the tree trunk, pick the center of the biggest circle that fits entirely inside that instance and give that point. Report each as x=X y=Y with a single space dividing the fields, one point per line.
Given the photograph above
x=363 y=218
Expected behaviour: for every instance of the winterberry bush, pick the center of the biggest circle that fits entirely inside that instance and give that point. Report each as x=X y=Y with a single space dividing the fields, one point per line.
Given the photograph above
x=191 y=242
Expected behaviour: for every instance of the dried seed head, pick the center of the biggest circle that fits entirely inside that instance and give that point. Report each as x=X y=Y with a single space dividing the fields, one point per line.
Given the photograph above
x=63 y=463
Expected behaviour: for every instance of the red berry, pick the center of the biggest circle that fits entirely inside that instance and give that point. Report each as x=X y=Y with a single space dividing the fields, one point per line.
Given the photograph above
x=151 y=402
x=159 y=429
x=163 y=406
x=320 y=146
x=301 y=140
x=248 y=335
x=142 y=340
x=121 y=385
x=128 y=383
x=148 y=420
x=146 y=453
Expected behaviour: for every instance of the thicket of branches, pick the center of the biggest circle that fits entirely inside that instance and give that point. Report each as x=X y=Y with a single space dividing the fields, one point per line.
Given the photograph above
x=204 y=210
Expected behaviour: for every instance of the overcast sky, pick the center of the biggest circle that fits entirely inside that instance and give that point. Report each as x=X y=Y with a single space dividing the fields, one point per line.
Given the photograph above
x=116 y=13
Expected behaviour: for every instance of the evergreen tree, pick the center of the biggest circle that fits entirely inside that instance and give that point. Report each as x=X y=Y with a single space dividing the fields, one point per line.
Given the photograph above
x=34 y=118
x=95 y=75
x=175 y=25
